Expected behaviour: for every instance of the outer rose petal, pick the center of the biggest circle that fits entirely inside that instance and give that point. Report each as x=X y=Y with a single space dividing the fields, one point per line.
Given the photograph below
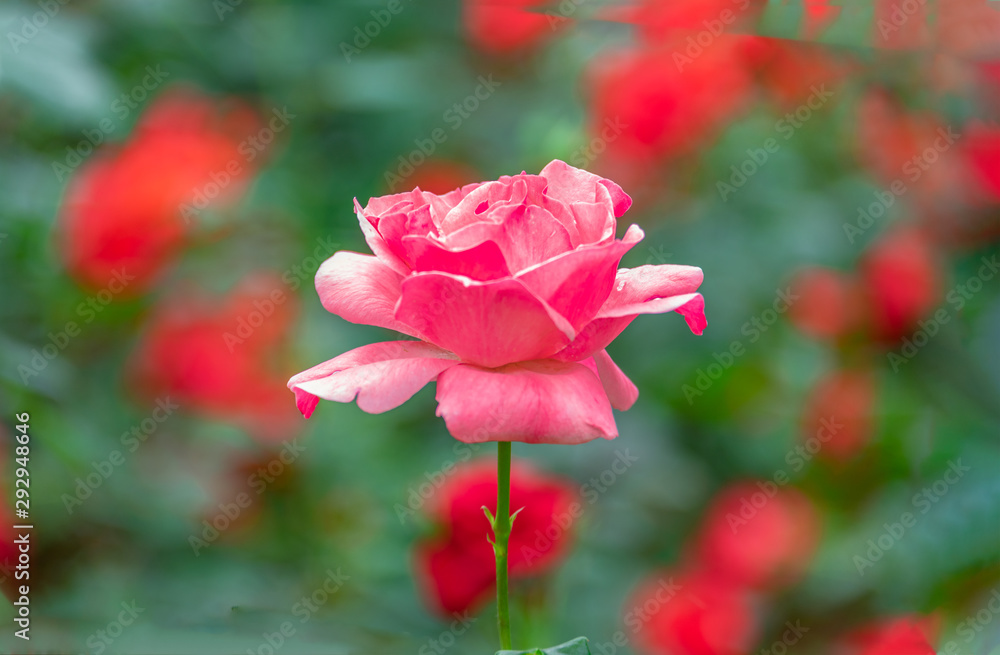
x=360 y=289
x=487 y=323
x=481 y=262
x=381 y=375
x=378 y=245
x=533 y=402
x=621 y=391
x=642 y=290
x=577 y=283
x=572 y=185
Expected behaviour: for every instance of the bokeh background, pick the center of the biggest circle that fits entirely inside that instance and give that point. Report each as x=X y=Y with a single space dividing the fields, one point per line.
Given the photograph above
x=817 y=473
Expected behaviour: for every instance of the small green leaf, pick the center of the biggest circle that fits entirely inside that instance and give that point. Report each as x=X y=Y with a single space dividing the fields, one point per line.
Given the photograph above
x=578 y=646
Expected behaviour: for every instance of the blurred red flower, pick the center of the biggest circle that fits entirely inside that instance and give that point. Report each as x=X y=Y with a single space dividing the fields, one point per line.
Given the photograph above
x=456 y=568
x=211 y=356
x=982 y=151
x=906 y=635
x=697 y=22
x=839 y=416
x=439 y=176
x=758 y=535
x=647 y=105
x=691 y=613
x=829 y=304
x=122 y=211
x=902 y=278
x=507 y=26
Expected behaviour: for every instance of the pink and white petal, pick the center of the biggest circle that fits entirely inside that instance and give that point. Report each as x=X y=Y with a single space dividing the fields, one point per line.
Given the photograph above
x=636 y=286
x=467 y=211
x=621 y=391
x=489 y=323
x=594 y=221
x=572 y=185
x=360 y=289
x=377 y=244
x=480 y=262
x=530 y=234
x=533 y=402
x=578 y=283
x=382 y=376
x=602 y=331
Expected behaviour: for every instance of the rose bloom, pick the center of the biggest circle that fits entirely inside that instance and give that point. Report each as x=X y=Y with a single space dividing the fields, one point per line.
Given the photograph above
x=123 y=209
x=839 y=415
x=513 y=289
x=456 y=567
x=691 y=612
x=905 y=635
x=212 y=356
x=758 y=546
x=507 y=26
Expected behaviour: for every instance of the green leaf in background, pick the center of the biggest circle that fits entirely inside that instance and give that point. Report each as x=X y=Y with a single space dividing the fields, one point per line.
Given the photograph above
x=578 y=646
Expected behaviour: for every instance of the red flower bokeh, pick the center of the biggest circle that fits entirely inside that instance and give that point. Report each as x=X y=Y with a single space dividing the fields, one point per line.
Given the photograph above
x=124 y=210
x=758 y=535
x=456 y=567
x=839 y=416
x=507 y=26
x=905 y=635
x=691 y=613
x=212 y=356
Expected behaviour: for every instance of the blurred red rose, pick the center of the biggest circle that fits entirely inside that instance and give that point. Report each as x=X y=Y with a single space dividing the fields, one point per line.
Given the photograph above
x=691 y=25
x=829 y=303
x=691 y=613
x=902 y=278
x=456 y=567
x=761 y=546
x=982 y=152
x=439 y=176
x=211 y=356
x=507 y=26
x=839 y=416
x=647 y=105
x=907 y=635
x=124 y=209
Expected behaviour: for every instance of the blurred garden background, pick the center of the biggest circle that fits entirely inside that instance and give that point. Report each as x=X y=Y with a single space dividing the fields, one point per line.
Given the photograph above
x=819 y=473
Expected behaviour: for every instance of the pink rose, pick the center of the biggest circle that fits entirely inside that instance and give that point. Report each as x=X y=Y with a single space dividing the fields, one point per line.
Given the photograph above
x=513 y=289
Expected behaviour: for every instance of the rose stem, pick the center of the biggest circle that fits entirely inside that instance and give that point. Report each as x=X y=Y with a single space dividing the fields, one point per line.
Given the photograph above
x=501 y=534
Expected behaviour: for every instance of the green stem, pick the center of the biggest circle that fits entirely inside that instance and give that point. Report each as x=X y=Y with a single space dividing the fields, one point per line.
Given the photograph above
x=501 y=534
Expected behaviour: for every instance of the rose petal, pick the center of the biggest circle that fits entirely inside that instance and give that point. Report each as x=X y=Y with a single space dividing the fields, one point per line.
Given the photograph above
x=572 y=185
x=526 y=235
x=621 y=391
x=480 y=262
x=381 y=376
x=378 y=245
x=577 y=283
x=360 y=289
x=642 y=290
x=488 y=323
x=534 y=402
